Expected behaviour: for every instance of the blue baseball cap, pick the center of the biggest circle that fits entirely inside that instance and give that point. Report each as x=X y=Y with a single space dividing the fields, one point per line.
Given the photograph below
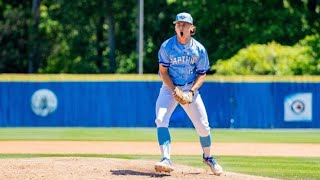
x=183 y=17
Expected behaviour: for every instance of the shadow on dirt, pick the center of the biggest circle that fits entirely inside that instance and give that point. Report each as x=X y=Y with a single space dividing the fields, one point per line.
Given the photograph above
x=138 y=173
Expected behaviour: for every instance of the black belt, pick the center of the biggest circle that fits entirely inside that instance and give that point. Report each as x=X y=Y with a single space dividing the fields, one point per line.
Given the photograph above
x=182 y=84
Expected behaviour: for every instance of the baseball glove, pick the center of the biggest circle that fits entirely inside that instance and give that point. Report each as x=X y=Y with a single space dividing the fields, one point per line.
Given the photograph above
x=182 y=97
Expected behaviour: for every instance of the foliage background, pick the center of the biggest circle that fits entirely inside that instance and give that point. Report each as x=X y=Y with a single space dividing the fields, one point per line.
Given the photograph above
x=100 y=36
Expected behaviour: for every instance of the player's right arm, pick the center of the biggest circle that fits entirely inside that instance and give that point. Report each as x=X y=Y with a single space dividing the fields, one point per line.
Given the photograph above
x=167 y=81
x=164 y=63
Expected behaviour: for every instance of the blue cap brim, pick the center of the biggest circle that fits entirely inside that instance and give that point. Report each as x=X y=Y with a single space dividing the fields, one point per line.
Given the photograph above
x=174 y=22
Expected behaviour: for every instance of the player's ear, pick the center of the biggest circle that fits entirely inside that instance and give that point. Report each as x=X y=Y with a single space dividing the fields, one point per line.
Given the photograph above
x=193 y=30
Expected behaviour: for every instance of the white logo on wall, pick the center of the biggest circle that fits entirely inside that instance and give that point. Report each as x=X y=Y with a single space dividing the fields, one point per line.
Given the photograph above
x=44 y=102
x=298 y=107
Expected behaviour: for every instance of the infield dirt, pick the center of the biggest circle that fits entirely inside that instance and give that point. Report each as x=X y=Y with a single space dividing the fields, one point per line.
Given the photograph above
x=80 y=168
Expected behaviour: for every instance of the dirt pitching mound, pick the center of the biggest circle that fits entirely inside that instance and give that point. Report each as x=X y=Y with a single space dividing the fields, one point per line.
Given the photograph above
x=79 y=168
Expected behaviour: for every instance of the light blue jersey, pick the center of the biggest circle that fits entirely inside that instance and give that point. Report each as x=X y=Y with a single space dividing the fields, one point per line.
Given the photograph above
x=184 y=61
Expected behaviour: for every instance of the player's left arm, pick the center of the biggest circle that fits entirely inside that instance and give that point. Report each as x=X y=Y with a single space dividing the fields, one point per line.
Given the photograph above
x=202 y=66
x=198 y=82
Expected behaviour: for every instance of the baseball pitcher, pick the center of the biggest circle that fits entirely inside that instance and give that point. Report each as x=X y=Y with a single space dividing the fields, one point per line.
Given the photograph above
x=183 y=63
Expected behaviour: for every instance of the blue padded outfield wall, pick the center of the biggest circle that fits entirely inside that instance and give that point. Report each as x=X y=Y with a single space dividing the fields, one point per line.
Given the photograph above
x=129 y=101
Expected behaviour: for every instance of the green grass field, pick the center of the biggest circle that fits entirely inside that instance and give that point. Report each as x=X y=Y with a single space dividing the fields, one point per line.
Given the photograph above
x=277 y=167
x=149 y=134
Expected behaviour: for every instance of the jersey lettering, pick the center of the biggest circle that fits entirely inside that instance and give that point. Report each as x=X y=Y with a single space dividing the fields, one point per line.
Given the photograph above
x=183 y=60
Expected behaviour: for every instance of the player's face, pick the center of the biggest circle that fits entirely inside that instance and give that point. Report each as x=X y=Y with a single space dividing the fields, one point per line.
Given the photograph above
x=183 y=29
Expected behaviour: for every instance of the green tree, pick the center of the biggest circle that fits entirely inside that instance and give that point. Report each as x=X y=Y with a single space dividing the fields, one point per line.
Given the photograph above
x=14 y=35
x=92 y=35
x=101 y=36
x=274 y=59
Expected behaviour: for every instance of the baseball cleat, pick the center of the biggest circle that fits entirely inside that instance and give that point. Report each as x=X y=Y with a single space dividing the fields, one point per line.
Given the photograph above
x=214 y=166
x=165 y=165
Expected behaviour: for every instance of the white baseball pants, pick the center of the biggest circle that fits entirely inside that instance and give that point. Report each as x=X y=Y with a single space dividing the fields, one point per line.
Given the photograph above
x=196 y=111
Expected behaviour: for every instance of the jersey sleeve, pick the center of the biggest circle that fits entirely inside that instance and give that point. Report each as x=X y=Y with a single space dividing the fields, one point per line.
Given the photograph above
x=203 y=64
x=163 y=56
